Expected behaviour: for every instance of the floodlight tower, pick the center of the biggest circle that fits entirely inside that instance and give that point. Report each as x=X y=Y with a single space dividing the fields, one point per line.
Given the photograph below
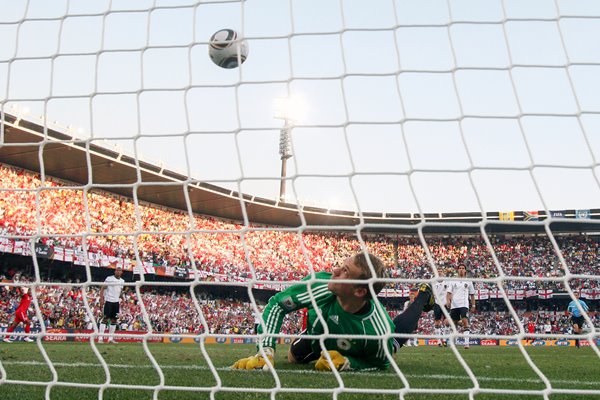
x=290 y=110
x=285 y=110
x=285 y=152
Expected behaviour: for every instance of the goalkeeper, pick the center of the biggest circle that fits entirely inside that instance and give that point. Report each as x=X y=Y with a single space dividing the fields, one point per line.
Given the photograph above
x=349 y=310
x=576 y=315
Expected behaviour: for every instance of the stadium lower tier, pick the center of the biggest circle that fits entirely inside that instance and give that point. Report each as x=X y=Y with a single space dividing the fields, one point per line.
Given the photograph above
x=228 y=310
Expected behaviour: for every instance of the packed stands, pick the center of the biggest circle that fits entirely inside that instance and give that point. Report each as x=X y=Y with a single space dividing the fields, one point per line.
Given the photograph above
x=173 y=310
x=168 y=310
x=60 y=214
x=221 y=249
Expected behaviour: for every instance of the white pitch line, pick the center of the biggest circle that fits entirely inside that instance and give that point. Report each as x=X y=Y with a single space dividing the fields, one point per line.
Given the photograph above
x=308 y=371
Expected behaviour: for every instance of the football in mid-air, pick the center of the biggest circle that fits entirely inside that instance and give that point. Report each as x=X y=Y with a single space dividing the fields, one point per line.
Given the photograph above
x=226 y=49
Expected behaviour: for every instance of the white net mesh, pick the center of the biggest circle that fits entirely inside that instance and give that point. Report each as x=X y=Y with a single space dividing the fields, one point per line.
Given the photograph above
x=423 y=131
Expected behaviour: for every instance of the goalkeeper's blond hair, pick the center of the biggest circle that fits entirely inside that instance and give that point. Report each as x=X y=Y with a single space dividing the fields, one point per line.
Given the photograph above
x=362 y=262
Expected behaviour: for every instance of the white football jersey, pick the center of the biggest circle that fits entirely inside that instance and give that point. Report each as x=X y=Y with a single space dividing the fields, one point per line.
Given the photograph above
x=461 y=291
x=440 y=288
x=112 y=293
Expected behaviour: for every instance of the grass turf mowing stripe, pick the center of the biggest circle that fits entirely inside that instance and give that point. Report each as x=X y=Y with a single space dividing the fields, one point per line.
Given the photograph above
x=371 y=373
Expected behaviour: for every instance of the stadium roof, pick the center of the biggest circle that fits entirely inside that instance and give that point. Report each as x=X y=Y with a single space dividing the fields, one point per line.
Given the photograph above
x=25 y=143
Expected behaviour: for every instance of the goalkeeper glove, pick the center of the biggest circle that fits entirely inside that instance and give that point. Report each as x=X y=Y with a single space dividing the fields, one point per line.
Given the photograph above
x=257 y=361
x=340 y=362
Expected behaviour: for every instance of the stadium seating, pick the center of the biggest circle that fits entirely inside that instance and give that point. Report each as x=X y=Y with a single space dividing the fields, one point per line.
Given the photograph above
x=174 y=311
x=275 y=255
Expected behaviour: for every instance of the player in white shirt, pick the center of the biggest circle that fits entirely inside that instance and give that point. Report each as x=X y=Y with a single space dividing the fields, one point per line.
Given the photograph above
x=440 y=323
x=411 y=297
x=457 y=299
x=109 y=302
x=547 y=328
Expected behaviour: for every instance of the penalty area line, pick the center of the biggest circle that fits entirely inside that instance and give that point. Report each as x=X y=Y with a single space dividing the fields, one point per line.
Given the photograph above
x=307 y=372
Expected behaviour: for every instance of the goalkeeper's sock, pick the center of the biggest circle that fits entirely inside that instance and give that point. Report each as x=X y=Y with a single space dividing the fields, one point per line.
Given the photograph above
x=437 y=332
x=407 y=321
x=467 y=333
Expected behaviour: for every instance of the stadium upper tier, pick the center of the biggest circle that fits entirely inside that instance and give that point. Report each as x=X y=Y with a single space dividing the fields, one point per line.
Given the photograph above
x=113 y=227
x=66 y=157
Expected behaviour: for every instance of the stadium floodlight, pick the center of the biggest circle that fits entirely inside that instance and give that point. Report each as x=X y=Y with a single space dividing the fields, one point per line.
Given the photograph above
x=285 y=152
x=290 y=110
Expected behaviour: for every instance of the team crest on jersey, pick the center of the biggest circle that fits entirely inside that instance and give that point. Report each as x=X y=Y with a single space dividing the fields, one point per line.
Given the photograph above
x=343 y=344
x=288 y=303
x=335 y=319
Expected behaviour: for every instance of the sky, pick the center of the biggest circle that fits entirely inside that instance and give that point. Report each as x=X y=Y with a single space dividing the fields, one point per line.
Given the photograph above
x=429 y=105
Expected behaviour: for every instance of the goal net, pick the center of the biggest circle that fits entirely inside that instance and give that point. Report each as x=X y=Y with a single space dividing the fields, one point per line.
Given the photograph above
x=431 y=134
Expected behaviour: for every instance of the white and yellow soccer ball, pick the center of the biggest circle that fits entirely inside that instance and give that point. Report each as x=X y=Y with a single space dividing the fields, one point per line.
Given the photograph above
x=226 y=49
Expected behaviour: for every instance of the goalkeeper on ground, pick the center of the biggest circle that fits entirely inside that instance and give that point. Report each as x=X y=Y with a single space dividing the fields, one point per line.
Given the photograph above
x=348 y=310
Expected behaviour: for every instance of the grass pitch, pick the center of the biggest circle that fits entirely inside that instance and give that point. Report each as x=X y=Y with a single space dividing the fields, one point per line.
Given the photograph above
x=186 y=373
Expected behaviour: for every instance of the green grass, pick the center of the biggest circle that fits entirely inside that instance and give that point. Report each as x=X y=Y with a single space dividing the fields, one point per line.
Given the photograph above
x=187 y=374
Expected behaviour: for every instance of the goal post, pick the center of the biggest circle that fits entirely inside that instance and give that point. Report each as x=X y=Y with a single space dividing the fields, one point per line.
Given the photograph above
x=431 y=134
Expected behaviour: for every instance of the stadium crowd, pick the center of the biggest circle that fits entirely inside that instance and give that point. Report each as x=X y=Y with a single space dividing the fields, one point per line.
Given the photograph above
x=222 y=249
x=169 y=310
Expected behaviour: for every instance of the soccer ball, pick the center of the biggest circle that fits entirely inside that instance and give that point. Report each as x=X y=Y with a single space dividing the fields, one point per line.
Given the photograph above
x=225 y=47
x=586 y=329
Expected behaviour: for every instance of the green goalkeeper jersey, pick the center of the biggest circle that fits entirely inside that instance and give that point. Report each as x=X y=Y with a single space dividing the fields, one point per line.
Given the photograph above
x=362 y=353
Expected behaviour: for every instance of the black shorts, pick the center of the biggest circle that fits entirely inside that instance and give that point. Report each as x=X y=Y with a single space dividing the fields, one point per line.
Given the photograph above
x=578 y=320
x=438 y=314
x=459 y=313
x=303 y=350
x=111 y=309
